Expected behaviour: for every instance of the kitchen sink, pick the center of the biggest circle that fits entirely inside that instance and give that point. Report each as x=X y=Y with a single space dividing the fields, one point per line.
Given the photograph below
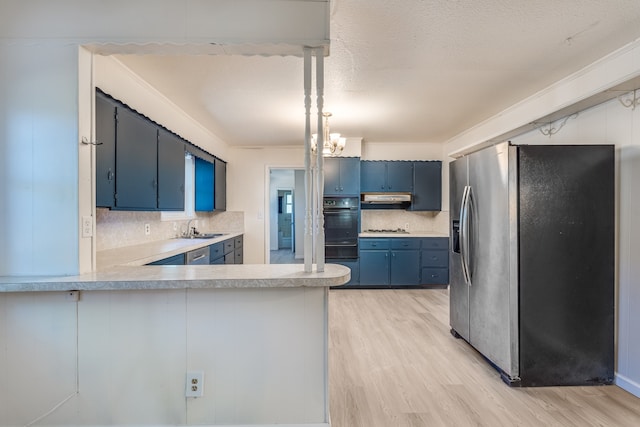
x=204 y=236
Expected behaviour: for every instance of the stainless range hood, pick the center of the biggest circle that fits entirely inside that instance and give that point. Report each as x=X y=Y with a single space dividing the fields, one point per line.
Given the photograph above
x=386 y=198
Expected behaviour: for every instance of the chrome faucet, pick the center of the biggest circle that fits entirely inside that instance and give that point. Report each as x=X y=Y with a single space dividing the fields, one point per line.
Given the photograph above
x=190 y=232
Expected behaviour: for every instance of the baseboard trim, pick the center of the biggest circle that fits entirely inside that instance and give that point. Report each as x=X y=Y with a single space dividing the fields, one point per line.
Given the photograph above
x=272 y=425
x=627 y=384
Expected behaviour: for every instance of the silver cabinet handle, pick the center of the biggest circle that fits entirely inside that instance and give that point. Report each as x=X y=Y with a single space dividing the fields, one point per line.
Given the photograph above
x=199 y=257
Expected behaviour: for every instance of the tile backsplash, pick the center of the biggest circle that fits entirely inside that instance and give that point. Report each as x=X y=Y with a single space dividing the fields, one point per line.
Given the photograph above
x=412 y=221
x=115 y=229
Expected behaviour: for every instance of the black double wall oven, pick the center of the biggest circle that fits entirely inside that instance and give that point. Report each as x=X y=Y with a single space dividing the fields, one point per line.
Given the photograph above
x=341 y=227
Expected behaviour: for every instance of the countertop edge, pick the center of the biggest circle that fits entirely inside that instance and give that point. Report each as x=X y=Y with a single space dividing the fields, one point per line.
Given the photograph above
x=239 y=276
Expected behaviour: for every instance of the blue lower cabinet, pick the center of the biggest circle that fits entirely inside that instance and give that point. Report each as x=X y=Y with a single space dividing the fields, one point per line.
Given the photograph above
x=434 y=260
x=403 y=262
x=434 y=276
x=405 y=268
x=173 y=260
x=354 y=266
x=374 y=268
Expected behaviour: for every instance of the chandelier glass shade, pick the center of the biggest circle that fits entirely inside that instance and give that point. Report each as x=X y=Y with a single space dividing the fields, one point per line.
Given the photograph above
x=333 y=142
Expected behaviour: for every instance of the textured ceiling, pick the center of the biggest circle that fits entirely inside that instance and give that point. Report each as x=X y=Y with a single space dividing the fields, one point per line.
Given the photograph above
x=401 y=70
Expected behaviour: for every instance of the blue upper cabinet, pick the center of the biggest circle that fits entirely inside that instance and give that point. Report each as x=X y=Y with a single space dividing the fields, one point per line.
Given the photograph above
x=170 y=172
x=342 y=176
x=210 y=184
x=386 y=176
x=105 y=151
x=427 y=186
x=373 y=176
x=139 y=164
x=136 y=161
x=220 y=186
x=399 y=176
x=204 y=185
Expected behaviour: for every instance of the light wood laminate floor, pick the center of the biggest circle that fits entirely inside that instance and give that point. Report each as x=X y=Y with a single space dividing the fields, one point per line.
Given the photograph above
x=393 y=363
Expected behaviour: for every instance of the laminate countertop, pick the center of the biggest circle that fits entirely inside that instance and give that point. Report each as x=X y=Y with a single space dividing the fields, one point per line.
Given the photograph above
x=125 y=269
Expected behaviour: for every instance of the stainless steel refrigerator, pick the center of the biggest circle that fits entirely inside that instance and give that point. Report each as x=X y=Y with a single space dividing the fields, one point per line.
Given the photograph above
x=532 y=261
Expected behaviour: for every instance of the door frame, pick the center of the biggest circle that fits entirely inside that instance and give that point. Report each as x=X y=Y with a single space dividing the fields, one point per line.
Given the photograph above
x=267 y=207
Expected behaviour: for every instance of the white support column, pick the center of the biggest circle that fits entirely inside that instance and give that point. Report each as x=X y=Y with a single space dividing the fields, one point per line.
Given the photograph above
x=308 y=178
x=320 y=160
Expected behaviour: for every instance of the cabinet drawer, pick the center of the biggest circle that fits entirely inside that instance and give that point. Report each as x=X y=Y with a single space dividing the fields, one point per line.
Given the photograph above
x=237 y=242
x=409 y=243
x=238 y=257
x=216 y=250
x=435 y=258
x=374 y=244
x=435 y=243
x=228 y=246
x=434 y=276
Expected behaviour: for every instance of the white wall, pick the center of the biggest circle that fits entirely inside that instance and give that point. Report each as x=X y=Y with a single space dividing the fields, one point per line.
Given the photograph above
x=248 y=191
x=608 y=123
x=38 y=159
x=45 y=100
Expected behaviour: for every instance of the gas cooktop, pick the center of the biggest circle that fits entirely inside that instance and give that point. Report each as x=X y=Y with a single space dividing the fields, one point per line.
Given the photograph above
x=396 y=230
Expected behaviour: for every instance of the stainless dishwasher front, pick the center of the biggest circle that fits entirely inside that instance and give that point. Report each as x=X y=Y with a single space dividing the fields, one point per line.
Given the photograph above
x=198 y=256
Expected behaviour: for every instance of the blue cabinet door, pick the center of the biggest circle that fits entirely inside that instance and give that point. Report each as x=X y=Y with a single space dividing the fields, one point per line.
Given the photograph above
x=399 y=176
x=105 y=151
x=427 y=187
x=204 y=183
x=405 y=267
x=374 y=267
x=342 y=176
x=386 y=176
x=170 y=172
x=373 y=176
x=173 y=260
x=350 y=176
x=220 y=186
x=136 y=161
x=332 y=177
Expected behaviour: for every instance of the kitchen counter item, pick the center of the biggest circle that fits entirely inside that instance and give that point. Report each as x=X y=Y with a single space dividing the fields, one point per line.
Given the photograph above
x=368 y=233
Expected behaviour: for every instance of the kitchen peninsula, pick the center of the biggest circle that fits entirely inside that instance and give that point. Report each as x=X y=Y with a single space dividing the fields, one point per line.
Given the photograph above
x=126 y=337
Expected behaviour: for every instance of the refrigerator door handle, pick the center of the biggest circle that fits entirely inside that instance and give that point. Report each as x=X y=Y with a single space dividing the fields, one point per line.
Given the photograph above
x=464 y=234
x=468 y=252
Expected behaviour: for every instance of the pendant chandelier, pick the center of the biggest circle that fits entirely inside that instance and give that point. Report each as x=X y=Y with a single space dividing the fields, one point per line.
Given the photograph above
x=333 y=142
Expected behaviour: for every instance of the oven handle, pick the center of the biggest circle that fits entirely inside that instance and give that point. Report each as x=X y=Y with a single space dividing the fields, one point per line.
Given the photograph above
x=342 y=245
x=339 y=211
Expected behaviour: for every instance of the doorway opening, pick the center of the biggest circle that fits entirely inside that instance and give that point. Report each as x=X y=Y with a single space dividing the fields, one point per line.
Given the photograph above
x=286 y=216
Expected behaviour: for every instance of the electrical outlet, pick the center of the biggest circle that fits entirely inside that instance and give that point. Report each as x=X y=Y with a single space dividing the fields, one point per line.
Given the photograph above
x=147 y=229
x=195 y=384
x=87 y=226
x=175 y=226
x=406 y=227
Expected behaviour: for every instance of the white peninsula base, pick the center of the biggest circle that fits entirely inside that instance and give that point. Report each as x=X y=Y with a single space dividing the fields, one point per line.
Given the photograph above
x=120 y=357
